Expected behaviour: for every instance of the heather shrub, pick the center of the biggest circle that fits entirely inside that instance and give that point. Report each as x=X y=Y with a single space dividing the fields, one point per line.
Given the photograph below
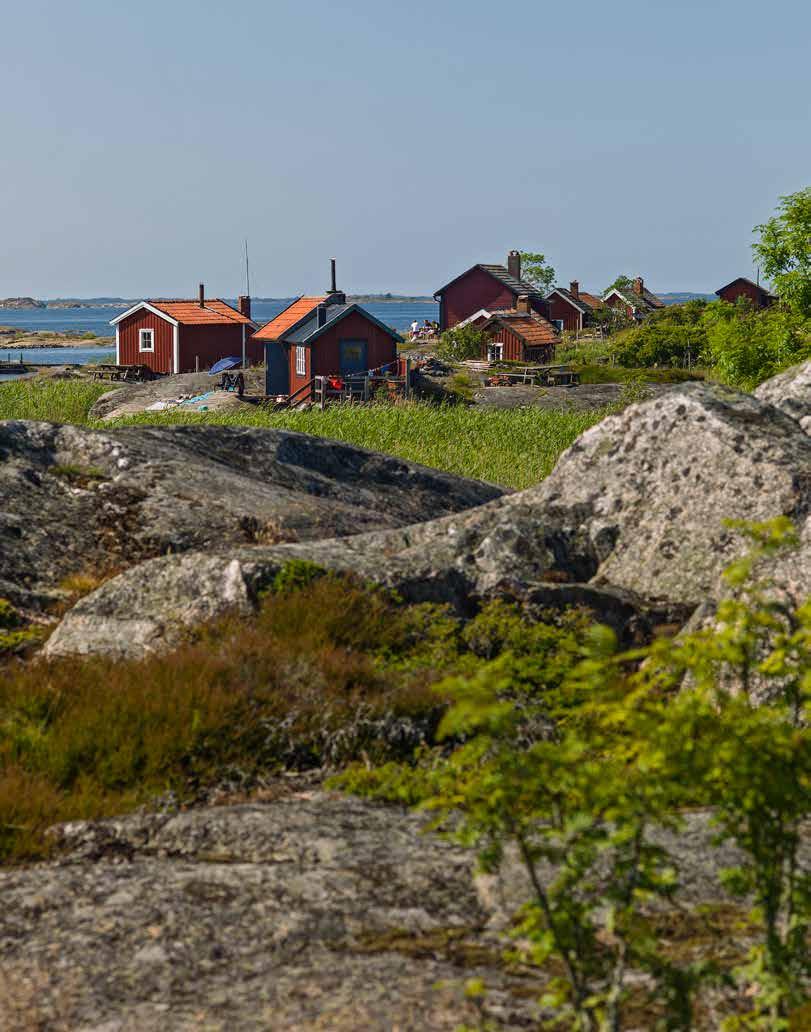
x=327 y=671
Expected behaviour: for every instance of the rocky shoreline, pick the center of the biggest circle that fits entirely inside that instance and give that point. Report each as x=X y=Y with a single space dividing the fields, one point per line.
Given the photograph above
x=14 y=338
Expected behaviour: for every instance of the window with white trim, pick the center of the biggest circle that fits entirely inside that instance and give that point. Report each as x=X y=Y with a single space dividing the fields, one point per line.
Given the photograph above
x=559 y=324
x=301 y=360
x=146 y=340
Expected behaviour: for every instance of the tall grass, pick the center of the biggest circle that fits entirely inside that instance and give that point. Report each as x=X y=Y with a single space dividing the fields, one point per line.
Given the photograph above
x=512 y=447
x=55 y=401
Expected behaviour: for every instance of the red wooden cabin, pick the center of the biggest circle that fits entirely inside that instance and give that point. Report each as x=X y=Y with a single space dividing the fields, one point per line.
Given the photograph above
x=323 y=336
x=636 y=302
x=742 y=287
x=572 y=309
x=182 y=336
x=519 y=335
x=488 y=287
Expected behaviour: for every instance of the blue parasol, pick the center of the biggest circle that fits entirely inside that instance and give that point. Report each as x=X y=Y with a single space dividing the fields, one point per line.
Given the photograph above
x=223 y=364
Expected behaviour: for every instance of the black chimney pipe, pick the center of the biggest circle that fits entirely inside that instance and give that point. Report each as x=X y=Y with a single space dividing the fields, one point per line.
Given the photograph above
x=202 y=295
x=333 y=287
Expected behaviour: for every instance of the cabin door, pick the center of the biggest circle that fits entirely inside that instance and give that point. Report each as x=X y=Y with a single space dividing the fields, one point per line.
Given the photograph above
x=353 y=357
x=277 y=370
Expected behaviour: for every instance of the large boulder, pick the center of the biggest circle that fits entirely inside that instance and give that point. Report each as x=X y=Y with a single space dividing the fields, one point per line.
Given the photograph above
x=791 y=392
x=311 y=912
x=630 y=521
x=75 y=499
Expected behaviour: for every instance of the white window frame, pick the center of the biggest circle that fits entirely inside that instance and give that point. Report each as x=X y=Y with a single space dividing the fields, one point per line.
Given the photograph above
x=301 y=360
x=142 y=335
x=495 y=351
x=558 y=323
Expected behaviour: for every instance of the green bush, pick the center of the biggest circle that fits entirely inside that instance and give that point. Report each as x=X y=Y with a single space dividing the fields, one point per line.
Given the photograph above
x=460 y=343
x=746 y=347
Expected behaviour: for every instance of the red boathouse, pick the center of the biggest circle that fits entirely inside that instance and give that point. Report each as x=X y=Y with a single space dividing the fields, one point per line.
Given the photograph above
x=183 y=336
x=323 y=336
x=489 y=288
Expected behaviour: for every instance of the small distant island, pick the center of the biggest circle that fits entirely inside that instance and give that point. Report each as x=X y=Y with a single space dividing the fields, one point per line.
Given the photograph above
x=21 y=302
x=395 y=298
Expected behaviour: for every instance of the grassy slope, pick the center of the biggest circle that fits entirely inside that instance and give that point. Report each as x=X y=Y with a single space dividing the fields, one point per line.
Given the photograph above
x=515 y=448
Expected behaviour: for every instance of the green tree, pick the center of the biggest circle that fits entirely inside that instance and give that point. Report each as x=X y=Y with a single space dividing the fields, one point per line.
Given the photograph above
x=784 y=250
x=461 y=342
x=536 y=270
x=620 y=283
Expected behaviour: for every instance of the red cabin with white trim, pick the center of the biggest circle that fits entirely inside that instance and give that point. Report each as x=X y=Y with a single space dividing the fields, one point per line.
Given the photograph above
x=182 y=336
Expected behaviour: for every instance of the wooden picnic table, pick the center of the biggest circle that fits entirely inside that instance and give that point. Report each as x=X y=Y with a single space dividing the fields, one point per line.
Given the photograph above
x=123 y=373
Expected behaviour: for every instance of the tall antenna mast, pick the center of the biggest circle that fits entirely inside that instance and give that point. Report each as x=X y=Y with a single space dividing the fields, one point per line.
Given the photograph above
x=247 y=271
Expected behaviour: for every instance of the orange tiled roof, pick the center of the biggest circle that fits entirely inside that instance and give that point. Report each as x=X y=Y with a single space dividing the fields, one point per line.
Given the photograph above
x=189 y=313
x=289 y=317
x=533 y=329
x=591 y=299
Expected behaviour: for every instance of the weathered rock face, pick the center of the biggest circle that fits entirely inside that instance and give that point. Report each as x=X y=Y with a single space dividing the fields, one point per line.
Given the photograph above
x=74 y=499
x=791 y=392
x=313 y=912
x=632 y=517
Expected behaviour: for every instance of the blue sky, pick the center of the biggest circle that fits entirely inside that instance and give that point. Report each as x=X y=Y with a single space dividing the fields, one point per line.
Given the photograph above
x=140 y=143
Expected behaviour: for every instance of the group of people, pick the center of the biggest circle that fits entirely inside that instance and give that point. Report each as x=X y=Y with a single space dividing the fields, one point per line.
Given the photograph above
x=425 y=330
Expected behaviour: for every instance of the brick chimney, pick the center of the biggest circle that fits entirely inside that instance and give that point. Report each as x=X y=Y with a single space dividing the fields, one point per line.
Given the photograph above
x=522 y=303
x=202 y=295
x=574 y=289
x=514 y=264
x=244 y=305
x=639 y=284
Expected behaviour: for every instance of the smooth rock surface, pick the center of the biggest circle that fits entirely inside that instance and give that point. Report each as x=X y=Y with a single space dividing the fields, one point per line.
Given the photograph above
x=634 y=510
x=312 y=912
x=73 y=499
x=791 y=392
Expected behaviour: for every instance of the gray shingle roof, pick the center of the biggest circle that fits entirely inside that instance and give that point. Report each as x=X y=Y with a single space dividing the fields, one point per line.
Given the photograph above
x=303 y=332
x=646 y=301
x=516 y=285
x=300 y=334
x=500 y=273
x=580 y=305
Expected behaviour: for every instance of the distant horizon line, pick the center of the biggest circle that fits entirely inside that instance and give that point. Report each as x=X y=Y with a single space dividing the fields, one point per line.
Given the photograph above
x=110 y=299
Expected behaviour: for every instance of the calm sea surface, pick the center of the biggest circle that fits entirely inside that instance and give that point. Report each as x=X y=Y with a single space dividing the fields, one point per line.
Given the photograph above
x=398 y=314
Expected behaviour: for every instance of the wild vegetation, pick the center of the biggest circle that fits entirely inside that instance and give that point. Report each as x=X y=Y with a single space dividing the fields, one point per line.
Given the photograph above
x=784 y=250
x=730 y=343
x=586 y=767
x=516 y=448
x=241 y=699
